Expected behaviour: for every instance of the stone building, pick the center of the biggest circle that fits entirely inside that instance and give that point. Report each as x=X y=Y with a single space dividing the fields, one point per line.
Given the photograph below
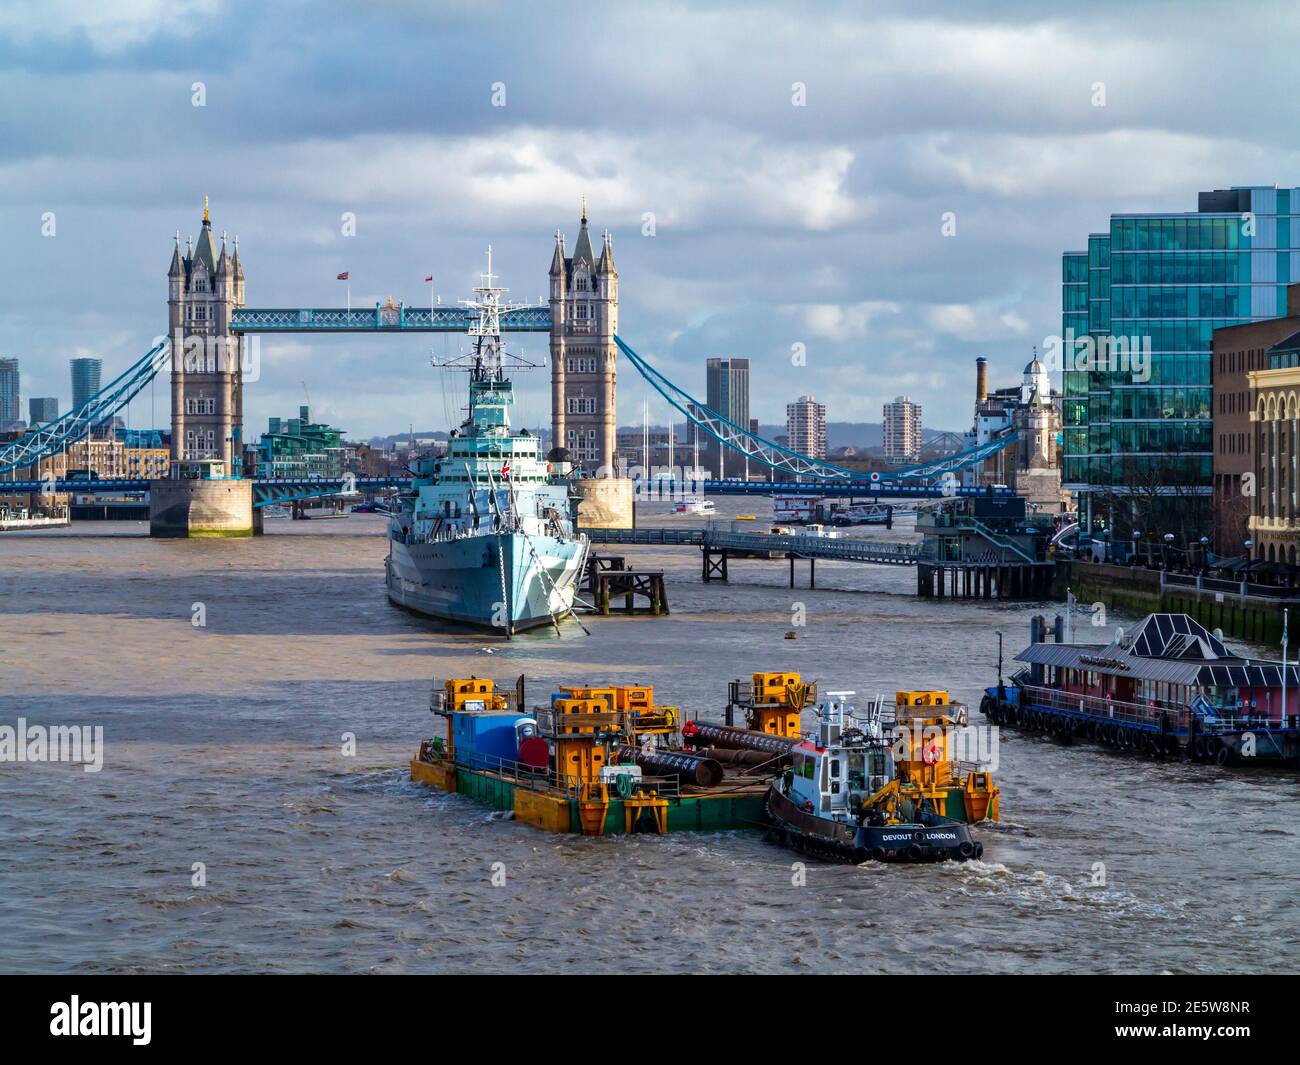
x=584 y=319
x=1237 y=351
x=1032 y=465
x=1036 y=421
x=206 y=492
x=205 y=284
x=1274 y=524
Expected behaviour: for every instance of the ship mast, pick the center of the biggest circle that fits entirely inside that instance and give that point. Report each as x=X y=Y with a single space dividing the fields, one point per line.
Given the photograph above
x=485 y=326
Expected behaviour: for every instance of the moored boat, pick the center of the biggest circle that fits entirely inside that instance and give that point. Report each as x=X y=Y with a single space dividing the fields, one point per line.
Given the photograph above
x=1168 y=688
x=486 y=535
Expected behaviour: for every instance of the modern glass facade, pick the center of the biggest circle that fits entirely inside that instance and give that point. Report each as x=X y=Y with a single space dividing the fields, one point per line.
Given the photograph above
x=726 y=387
x=42 y=409
x=9 y=407
x=1140 y=427
x=299 y=447
x=85 y=379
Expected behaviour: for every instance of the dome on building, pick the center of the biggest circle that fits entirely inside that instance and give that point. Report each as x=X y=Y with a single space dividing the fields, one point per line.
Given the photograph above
x=1036 y=382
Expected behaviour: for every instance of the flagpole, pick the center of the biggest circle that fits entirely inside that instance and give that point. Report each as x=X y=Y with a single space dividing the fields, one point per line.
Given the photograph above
x=349 y=295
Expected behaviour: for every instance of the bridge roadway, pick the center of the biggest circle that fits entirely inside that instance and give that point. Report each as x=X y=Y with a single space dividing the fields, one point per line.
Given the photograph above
x=269 y=491
x=846 y=549
x=395 y=318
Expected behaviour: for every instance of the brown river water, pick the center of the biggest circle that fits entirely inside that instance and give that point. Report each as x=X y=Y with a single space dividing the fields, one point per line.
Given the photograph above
x=224 y=746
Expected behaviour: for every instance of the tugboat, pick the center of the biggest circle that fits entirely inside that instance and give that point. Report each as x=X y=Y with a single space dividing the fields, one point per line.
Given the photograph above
x=847 y=797
x=486 y=535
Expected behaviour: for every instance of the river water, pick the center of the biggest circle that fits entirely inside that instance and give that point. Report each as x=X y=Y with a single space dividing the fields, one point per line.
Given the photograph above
x=224 y=745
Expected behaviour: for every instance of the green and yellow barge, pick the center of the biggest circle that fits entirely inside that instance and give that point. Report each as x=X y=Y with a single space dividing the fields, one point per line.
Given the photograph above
x=609 y=760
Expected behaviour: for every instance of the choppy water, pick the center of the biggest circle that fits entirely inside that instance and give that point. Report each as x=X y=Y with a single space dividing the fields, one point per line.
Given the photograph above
x=223 y=746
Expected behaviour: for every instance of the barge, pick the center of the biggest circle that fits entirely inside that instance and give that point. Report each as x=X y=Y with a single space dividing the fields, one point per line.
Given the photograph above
x=604 y=760
x=594 y=760
x=1169 y=688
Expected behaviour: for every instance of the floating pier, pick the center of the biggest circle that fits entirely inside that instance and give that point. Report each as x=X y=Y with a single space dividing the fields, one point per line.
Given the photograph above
x=965 y=580
x=1171 y=688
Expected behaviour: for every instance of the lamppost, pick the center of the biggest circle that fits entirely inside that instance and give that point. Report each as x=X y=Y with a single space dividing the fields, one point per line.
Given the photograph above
x=1168 y=539
x=1137 y=537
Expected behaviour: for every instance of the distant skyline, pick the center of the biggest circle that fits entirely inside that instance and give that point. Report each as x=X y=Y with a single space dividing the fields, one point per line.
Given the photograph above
x=798 y=172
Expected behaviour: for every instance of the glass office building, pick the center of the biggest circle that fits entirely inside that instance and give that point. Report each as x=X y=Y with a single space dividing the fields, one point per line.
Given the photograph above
x=10 y=412
x=86 y=375
x=1137 y=430
x=726 y=392
x=42 y=410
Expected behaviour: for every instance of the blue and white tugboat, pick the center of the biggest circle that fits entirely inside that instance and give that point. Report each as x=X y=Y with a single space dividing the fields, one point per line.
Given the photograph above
x=486 y=535
x=845 y=797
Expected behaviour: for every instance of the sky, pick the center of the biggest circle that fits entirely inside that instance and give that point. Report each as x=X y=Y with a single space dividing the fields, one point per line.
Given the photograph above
x=884 y=187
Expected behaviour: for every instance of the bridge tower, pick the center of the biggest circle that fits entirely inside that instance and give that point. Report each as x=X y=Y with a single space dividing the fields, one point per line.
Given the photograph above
x=204 y=286
x=205 y=494
x=584 y=319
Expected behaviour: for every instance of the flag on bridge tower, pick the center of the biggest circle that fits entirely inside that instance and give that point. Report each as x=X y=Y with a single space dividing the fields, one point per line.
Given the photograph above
x=429 y=280
x=343 y=276
x=505 y=470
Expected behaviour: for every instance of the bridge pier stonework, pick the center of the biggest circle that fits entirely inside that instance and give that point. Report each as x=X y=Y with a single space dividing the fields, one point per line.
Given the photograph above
x=181 y=508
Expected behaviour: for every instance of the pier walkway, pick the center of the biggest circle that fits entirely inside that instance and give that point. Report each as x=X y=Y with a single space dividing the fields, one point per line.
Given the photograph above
x=844 y=549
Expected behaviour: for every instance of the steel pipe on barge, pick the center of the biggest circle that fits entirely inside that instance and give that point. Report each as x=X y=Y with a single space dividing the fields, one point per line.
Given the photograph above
x=692 y=768
x=702 y=734
x=744 y=758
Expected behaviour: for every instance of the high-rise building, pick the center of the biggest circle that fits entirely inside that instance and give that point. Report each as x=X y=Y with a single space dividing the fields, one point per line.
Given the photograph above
x=584 y=319
x=9 y=406
x=1138 y=429
x=42 y=409
x=902 y=430
x=726 y=392
x=86 y=375
x=805 y=427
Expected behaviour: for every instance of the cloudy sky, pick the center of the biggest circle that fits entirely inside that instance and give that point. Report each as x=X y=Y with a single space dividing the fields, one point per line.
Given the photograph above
x=774 y=224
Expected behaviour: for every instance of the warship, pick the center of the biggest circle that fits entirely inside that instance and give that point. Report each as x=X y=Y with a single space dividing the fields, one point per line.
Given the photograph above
x=486 y=534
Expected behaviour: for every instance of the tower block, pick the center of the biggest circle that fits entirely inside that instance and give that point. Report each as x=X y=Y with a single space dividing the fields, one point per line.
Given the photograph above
x=584 y=364
x=205 y=494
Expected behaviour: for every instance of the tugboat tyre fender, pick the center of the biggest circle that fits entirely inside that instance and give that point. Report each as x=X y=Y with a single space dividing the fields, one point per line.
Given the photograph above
x=877 y=854
x=967 y=849
x=914 y=853
x=1223 y=755
x=979 y=850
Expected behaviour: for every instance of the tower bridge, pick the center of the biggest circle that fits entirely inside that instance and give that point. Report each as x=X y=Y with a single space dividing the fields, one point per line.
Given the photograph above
x=209 y=325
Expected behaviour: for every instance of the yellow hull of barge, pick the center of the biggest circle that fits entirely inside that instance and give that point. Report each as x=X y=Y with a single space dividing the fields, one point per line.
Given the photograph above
x=596 y=814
